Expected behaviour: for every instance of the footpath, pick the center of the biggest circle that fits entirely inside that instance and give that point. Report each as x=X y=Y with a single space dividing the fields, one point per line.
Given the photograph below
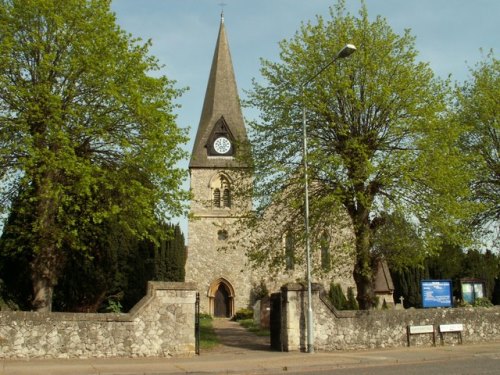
x=242 y=352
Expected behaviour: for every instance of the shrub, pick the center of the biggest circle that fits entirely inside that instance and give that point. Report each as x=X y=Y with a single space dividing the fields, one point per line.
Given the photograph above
x=482 y=302
x=337 y=297
x=352 y=304
x=243 y=314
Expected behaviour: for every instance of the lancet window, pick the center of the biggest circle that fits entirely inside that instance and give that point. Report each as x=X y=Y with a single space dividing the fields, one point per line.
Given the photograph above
x=221 y=192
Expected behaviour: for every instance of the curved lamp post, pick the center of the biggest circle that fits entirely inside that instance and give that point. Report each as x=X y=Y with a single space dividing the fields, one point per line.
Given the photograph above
x=344 y=52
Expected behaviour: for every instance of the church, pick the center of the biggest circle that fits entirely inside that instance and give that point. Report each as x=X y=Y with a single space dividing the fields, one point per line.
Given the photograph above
x=219 y=170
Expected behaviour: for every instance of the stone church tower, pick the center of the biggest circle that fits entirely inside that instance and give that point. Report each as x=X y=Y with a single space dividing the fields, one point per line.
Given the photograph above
x=220 y=170
x=217 y=171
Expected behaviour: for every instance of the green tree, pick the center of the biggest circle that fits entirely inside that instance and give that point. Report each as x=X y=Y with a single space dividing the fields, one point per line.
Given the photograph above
x=479 y=113
x=160 y=260
x=85 y=132
x=447 y=264
x=351 y=304
x=337 y=297
x=407 y=284
x=88 y=283
x=15 y=254
x=396 y=240
x=171 y=257
x=377 y=138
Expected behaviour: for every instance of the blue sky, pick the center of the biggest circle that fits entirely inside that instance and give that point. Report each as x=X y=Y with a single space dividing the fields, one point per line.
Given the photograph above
x=449 y=35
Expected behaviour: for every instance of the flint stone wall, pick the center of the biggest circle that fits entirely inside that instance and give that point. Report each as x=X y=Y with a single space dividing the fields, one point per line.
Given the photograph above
x=160 y=325
x=342 y=330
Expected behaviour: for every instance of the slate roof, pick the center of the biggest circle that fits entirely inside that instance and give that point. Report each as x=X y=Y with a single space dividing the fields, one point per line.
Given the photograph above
x=221 y=100
x=383 y=280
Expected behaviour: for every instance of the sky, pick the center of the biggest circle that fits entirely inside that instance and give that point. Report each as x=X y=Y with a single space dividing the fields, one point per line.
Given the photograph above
x=449 y=36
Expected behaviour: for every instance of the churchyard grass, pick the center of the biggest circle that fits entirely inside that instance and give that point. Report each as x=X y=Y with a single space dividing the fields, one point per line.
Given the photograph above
x=252 y=327
x=208 y=338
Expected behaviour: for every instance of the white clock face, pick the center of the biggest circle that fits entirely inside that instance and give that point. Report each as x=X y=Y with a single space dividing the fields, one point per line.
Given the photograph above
x=222 y=145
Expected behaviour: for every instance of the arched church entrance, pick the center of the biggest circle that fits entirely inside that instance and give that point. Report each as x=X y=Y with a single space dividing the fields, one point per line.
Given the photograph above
x=221 y=298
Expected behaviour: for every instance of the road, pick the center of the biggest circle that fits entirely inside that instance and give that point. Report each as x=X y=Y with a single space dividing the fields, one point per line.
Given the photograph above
x=469 y=366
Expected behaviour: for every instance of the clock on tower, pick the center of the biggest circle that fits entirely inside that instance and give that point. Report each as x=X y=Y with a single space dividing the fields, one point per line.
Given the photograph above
x=222 y=145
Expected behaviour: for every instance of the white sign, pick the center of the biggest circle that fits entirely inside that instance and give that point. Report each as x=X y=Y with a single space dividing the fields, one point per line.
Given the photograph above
x=421 y=329
x=451 y=327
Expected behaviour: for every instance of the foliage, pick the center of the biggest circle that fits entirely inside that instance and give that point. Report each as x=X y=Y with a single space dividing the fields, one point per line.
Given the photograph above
x=397 y=241
x=160 y=260
x=337 y=297
x=243 y=314
x=495 y=298
x=339 y=300
x=447 y=264
x=258 y=292
x=250 y=326
x=375 y=125
x=6 y=304
x=407 y=285
x=479 y=113
x=208 y=338
x=352 y=303
x=114 y=306
x=482 y=302
x=451 y=263
x=119 y=270
x=170 y=256
x=86 y=135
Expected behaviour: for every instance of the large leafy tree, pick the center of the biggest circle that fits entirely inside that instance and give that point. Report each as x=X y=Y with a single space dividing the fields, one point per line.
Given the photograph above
x=86 y=134
x=479 y=113
x=377 y=139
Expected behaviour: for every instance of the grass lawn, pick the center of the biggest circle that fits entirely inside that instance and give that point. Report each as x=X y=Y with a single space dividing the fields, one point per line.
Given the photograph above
x=208 y=339
x=252 y=327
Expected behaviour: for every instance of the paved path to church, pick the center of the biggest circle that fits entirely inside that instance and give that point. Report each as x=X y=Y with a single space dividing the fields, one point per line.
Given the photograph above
x=236 y=339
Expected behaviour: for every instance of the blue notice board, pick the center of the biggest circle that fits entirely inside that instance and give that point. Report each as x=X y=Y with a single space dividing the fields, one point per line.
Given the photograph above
x=436 y=293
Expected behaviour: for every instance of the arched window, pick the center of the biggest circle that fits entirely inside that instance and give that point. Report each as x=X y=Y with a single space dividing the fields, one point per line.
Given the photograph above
x=221 y=191
x=217 y=197
x=325 y=251
x=289 y=251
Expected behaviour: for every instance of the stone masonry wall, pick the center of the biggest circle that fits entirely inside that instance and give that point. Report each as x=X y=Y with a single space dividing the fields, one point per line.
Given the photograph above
x=209 y=258
x=341 y=330
x=161 y=324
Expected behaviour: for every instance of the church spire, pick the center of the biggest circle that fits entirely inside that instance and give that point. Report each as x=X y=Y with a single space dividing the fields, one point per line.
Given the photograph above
x=221 y=113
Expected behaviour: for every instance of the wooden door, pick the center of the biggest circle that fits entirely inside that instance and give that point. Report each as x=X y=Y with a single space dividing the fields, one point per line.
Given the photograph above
x=221 y=302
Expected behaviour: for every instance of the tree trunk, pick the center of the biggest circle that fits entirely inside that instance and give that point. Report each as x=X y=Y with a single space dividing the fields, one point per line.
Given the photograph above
x=44 y=276
x=43 y=292
x=48 y=259
x=363 y=270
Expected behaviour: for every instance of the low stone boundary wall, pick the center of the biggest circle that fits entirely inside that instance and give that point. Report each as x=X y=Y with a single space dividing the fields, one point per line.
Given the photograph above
x=161 y=324
x=341 y=330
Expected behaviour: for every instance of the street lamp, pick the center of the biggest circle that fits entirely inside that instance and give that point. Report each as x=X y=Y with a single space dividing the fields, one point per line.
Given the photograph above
x=344 y=52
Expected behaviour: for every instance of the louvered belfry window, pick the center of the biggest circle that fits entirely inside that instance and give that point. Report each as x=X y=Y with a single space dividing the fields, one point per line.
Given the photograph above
x=217 y=198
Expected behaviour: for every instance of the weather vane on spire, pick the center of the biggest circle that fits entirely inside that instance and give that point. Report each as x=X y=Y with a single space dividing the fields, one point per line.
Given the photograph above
x=222 y=5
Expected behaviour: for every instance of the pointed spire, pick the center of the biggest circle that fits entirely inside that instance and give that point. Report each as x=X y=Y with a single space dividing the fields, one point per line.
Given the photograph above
x=221 y=100
x=222 y=5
